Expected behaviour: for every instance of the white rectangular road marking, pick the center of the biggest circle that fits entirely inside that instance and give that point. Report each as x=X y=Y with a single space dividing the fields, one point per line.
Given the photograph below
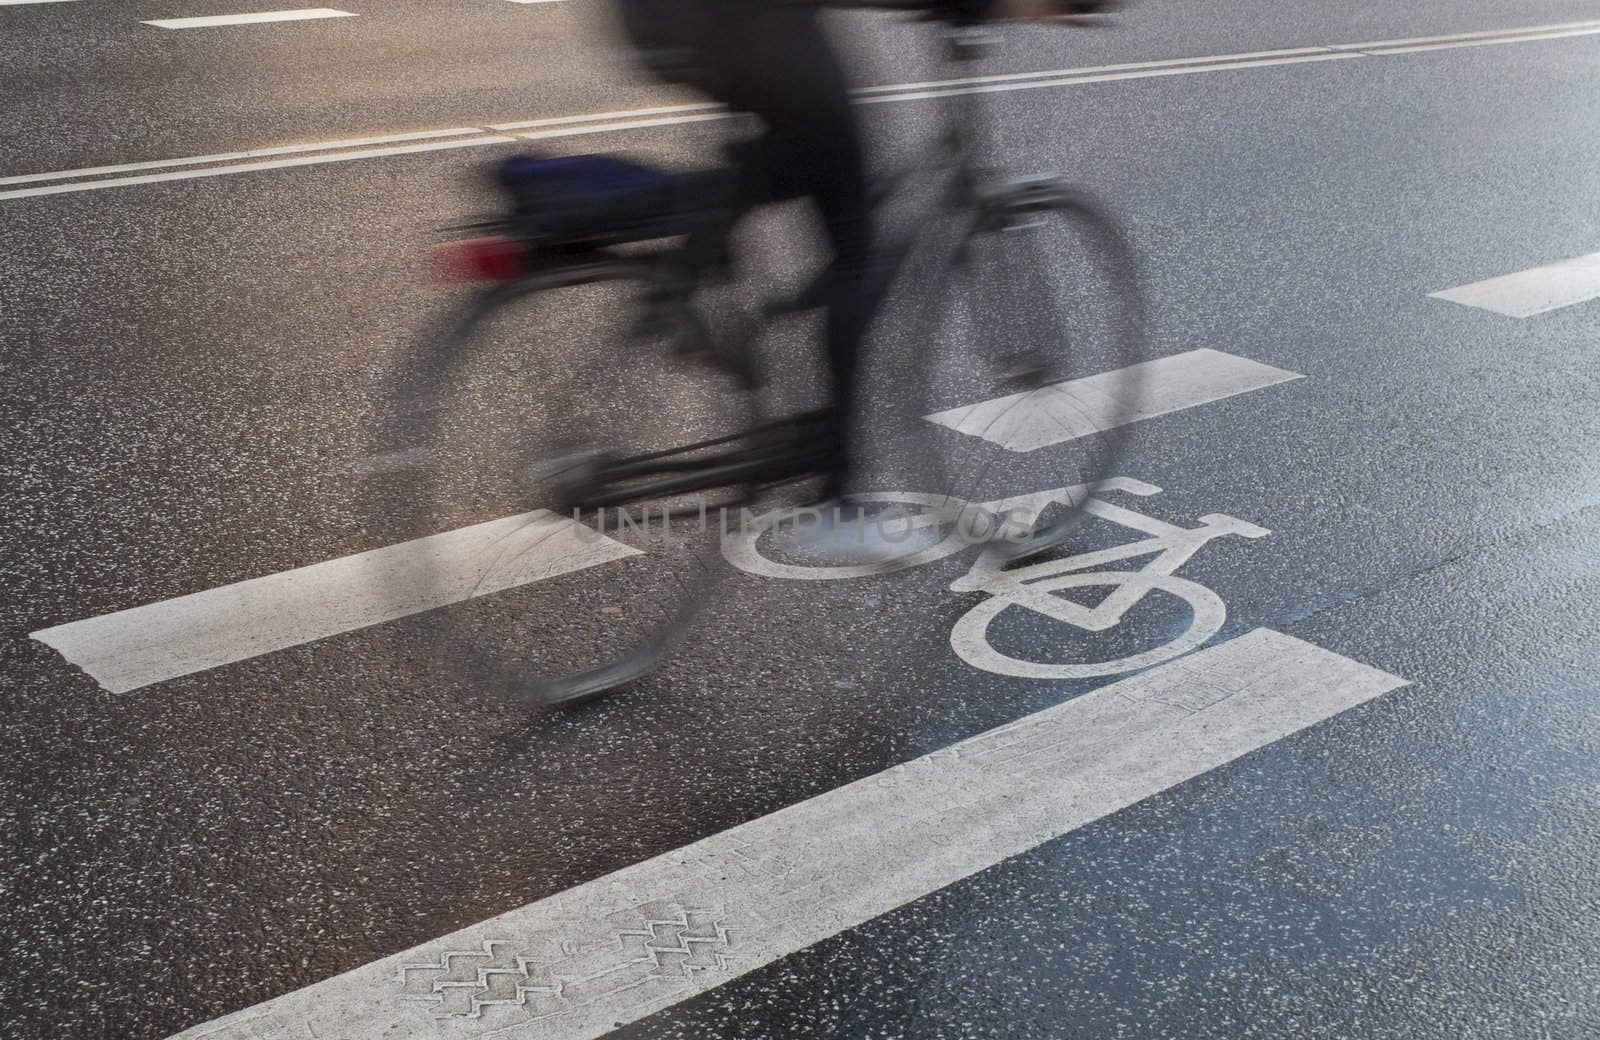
x=1080 y=407
x=249 y=19
x=133 y=648
x=613 y=950
x=1534 y=291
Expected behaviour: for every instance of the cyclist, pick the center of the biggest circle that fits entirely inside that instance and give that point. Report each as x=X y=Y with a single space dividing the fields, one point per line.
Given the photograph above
x=770 y=58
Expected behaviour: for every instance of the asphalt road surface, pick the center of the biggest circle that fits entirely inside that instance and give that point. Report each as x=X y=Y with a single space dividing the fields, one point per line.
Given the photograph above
x=1365 y=802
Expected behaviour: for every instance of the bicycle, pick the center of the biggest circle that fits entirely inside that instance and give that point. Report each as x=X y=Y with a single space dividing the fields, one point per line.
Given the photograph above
x=1030 y=247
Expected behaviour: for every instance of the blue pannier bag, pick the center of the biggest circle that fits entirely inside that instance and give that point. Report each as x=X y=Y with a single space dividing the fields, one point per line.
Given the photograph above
x=594 y=198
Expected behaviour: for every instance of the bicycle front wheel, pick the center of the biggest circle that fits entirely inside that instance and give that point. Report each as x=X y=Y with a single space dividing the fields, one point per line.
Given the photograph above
x=1013 y=340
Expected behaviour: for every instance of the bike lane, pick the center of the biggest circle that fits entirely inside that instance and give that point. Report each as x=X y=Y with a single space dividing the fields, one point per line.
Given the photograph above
x=793 y=690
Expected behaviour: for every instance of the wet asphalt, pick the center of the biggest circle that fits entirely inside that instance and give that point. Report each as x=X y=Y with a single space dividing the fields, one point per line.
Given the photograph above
x=193 y=372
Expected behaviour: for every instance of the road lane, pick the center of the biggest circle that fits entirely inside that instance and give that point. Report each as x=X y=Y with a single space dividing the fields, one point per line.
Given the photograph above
x=616 y=121
x=92 y=86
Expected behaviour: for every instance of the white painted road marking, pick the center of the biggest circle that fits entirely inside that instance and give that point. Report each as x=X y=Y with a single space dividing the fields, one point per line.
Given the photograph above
x=1534 y=291
x=251 y=167
x=144 y=645
x=661 y=116
x=611 y=951
x=1081 y=407
x=303 y=14
x=1031 y=587
x=258 y=153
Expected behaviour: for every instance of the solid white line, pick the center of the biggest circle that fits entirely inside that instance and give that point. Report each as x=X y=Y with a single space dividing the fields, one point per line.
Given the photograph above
x=1451 y=45
x=1534 y=291
x=257 y=153
x=1090 y=70
x=1075 y=79
x=672 y=115
x=206 y=21
x=149 y=644
x=637 y=124
x=611 y=951
x=275 y=164
x=1082 y=407
x=1506 y=35
x=608 y=117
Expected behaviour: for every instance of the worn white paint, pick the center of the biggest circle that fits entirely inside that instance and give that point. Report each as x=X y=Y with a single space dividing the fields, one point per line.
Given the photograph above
x=615 y=949
x=1095 y=404
x=1537 y=290
x=252 y=18
x=160 y=641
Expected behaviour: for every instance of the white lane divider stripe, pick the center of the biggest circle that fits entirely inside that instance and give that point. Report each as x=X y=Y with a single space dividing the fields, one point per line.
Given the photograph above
x=1534 y=291
x=251 y=167
x=621 y=115
x=133 y=648
x=1413 y=44
x=1063 y=412
x=611 y=951
x=206 y=21
x=255 y=153
x=672 y=115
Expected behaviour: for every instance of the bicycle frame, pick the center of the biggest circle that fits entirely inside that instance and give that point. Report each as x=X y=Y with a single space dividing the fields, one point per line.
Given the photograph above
x=673 y=274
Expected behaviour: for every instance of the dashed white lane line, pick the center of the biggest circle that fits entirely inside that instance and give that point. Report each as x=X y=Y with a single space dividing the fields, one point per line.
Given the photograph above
x=1082 y=407
x=206 y=21
x=611 y=951
x=672 y=115
x=142 y=645
x=133 y=648
x=1534 y=291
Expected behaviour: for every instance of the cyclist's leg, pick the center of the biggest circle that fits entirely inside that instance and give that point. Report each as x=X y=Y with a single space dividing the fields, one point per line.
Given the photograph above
x=775 y=62
x=794 y=83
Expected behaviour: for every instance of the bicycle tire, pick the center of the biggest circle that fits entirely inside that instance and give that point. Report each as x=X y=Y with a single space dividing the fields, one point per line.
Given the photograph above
x=1017 y=344
x=499 y=411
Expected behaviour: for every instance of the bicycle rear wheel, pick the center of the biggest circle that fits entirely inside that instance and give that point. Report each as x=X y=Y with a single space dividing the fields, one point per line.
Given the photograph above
x=1011 y=345
x=546 y=587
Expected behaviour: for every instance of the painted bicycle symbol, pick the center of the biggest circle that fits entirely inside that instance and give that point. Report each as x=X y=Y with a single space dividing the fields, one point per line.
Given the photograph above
x=1032 y=587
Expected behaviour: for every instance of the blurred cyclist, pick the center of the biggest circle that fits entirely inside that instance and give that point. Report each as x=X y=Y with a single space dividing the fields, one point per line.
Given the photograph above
x=770 y=58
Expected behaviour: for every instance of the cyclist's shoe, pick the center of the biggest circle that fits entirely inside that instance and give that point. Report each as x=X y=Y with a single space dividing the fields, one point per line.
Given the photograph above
x=845 y=534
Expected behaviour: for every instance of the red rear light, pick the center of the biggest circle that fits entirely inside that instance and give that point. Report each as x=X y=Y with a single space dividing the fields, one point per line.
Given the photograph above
x=483 y=260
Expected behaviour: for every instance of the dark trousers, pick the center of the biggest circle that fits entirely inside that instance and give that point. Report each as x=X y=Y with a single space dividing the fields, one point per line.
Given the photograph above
x=773 y=61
